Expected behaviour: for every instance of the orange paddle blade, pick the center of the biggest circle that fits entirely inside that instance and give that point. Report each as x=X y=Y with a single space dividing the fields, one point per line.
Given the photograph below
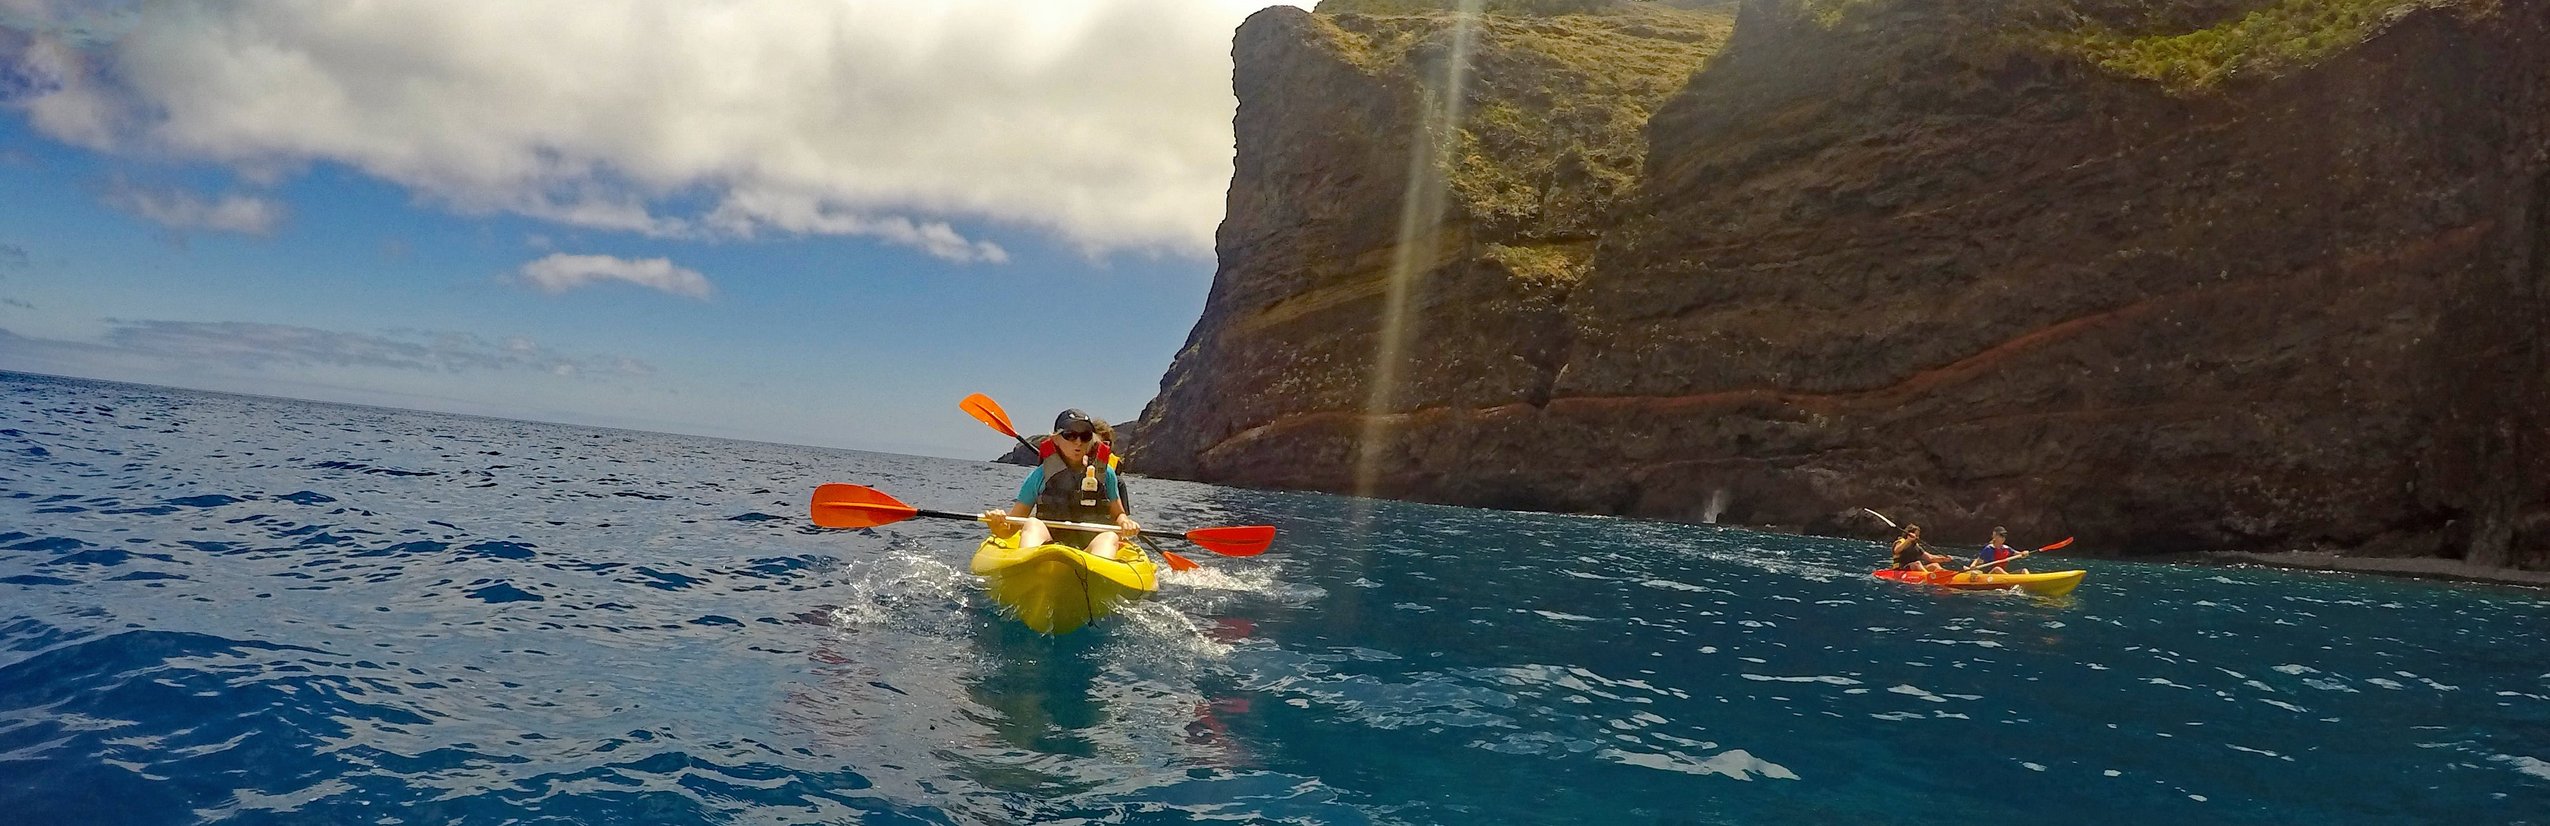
x=989 y=412
x=1236 y=540
x=2066 y=541
x=1180 y=563
x=838 y=505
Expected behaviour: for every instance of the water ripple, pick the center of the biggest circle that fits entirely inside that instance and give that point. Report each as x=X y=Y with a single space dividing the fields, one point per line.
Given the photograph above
x=225 y=608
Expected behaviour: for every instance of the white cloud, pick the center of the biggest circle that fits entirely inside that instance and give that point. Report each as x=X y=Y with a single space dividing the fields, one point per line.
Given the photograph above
x=560 y=272
x=253 y=346
x=1104 y=122
x=182 y=210
x=743 y=212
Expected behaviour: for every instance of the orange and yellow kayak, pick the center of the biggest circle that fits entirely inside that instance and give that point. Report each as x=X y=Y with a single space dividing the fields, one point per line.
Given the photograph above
x=2050 y=584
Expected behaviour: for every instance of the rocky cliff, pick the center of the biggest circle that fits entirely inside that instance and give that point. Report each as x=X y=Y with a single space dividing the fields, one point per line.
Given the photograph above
x=2207 y=274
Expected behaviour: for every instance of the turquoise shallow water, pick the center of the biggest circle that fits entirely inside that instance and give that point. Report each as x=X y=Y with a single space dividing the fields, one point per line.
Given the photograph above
x=215 y=608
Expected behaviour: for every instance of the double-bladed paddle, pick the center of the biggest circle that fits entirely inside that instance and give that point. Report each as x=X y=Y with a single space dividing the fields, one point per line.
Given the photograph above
x=840 y=505
x=1980 y=564
x=1917 y=543
x=989 y=412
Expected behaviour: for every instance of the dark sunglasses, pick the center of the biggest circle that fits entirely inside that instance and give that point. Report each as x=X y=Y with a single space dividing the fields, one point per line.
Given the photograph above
x=1078 y=437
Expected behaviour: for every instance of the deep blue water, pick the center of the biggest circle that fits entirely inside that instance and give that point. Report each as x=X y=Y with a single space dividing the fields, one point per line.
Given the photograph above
x=217 y=608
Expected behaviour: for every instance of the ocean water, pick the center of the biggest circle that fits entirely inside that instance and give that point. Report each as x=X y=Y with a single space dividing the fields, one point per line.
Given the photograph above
x=227 y=609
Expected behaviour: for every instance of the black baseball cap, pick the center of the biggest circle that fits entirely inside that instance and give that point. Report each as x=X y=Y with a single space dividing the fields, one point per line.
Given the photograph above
x=1074 y=421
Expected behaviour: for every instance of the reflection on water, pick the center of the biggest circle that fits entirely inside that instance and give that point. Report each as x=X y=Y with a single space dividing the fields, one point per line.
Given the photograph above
x=1037 y=688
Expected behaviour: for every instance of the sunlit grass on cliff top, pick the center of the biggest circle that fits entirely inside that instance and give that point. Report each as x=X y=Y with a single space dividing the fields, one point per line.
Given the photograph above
x=1556 y=131
x=2275 y=37
x=2261 y=37
x=1555 y=137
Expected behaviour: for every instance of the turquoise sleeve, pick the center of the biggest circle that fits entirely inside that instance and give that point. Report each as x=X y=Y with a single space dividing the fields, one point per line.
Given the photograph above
x=1107 y=481
x=1035 y=485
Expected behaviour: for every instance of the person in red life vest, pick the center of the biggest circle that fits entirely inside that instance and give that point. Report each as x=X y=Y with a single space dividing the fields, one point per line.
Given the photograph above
x=1105 y=454
x=1068 y=487
x=1996 y=552
x=1102 y=453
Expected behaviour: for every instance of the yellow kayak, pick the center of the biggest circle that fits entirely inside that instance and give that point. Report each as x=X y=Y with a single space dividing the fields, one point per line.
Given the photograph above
x=1055 y=589
x=2050 y=584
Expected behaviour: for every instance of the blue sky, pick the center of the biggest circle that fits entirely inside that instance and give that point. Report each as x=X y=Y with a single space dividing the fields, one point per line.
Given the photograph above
x=805 y=222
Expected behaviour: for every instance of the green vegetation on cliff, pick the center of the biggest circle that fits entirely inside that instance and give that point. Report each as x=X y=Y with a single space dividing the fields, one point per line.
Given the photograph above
x=1514 y=8
x=1531 y=8
x=2276 y=36
x=1545 y=266
x=1828 y=13
x=2187 y=45
x=1558 y=97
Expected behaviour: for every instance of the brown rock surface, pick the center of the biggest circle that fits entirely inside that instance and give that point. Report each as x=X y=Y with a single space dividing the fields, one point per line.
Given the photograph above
x=1967 y=262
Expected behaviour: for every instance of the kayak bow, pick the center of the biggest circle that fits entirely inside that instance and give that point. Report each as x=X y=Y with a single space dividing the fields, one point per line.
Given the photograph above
x=1055 y=588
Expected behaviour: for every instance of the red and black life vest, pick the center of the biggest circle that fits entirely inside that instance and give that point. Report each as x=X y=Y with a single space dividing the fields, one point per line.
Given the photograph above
x=1072 y=494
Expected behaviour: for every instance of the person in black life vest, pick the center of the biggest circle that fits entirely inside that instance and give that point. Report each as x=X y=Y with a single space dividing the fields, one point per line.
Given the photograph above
x=1068 y=487
x=1101 y=453
x=1910 y=556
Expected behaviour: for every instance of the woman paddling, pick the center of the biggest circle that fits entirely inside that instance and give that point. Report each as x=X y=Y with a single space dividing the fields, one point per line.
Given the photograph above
x=1102 y=453
x=1067 y=487
x=1910 y=556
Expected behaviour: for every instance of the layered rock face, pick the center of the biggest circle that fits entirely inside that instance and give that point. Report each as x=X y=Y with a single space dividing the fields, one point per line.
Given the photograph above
x=1271 y=386
x=2167 y=276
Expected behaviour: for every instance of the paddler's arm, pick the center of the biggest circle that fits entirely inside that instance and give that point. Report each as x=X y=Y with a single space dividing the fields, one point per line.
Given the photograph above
x=1019 y=508
x=1004 y=522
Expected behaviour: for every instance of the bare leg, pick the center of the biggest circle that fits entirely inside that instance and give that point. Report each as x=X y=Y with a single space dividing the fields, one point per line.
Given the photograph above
x=1033 y=533
x=1103 y=546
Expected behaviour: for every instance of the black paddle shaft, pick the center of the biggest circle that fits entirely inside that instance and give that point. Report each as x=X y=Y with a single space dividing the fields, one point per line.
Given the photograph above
x=976 y=517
